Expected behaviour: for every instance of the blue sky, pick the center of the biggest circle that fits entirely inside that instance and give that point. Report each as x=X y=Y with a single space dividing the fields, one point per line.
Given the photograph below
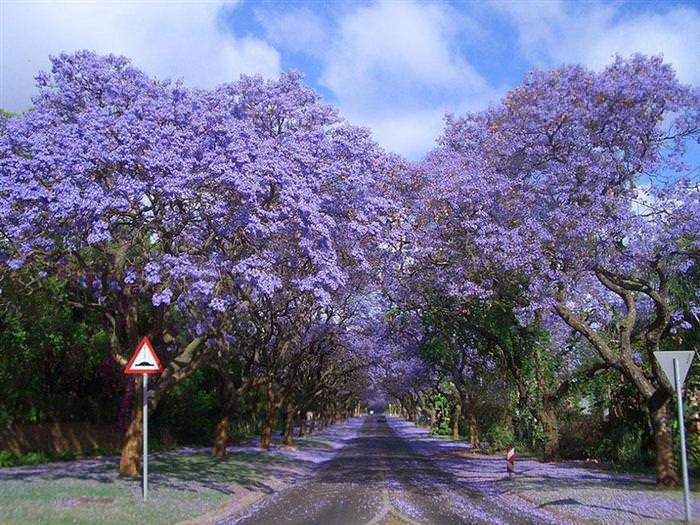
x=394 y=66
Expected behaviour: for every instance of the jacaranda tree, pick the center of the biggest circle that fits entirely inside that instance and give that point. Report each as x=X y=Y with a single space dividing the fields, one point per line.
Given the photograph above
x=178 y=208
x=566 y=187
x=250 y=229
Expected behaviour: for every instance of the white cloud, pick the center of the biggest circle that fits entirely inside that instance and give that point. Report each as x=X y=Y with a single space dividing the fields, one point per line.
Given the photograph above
x=393 y=50
x=396 y=67
x=412 y=132
x=392 y=66
x=551 y=33
x=165 y=39
x=409 y=133
x=675 y=34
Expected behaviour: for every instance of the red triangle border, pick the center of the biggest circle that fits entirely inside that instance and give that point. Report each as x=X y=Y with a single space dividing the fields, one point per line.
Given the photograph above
x=144 y=341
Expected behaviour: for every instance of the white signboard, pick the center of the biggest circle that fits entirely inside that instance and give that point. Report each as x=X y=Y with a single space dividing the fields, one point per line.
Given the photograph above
x=144 y=360
x=676 y=365
x=665 y=359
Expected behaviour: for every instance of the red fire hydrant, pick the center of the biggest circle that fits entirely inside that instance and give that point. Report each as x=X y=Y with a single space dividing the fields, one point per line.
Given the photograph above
x=510 y=461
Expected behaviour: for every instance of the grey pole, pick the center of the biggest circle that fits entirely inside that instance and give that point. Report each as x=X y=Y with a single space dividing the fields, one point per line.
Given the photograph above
x=681 y=426
x=145 y=437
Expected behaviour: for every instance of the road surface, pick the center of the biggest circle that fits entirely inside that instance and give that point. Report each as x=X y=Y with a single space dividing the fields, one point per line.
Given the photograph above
x=377 y=479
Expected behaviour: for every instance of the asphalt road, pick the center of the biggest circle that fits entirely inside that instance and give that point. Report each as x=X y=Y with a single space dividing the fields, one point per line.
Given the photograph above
x=377 y=479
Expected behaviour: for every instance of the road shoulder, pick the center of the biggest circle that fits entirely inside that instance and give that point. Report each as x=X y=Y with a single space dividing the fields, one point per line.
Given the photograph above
x=311 y=452
x=567 y=490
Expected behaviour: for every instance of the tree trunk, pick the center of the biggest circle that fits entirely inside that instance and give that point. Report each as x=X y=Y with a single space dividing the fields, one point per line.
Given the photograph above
x=270 y=415
x=130 y=461
x=456 y=414
x=302 y=422
x=289 y=426
x=550 y=428
x=666 y=471
x=410 y=413
x=228 y=397
x=222 y=436
x=472 y=427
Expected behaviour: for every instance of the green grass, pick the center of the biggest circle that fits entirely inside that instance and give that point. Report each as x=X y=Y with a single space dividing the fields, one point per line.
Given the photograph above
x=7 y=459
x=180 y=487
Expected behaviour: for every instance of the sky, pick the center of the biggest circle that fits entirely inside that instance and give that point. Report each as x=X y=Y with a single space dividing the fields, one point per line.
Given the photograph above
x=395 y=66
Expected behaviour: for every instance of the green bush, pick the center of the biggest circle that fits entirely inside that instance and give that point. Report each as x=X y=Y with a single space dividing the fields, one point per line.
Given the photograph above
x=442 y=427
x=189 y=411
x=67 y=455
x=55 y=364
x=34 y=458
x=580 y=437
x=498 y=437
x=625 y=447
x=7 y=459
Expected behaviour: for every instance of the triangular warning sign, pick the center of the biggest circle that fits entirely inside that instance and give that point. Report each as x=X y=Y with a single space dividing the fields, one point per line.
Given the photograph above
x=665 y=359
x=144 y=360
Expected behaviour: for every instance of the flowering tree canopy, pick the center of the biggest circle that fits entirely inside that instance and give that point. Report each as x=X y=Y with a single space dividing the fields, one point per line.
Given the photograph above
x=250 y=224
x=255 y=180
x=564 y=190
x=205 y=205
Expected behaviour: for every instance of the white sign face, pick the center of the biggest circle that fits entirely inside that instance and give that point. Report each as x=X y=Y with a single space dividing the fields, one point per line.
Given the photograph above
x=144 y=360
x=665 y=359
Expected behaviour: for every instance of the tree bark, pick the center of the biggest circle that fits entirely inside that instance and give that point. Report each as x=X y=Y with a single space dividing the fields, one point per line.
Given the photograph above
x=550 y=428
x=472 y=427
x=130 y=461
x=302 y=422
x=271 y=413
x=228 y=398
x=666 y=471
x=289 y=425
x=656 y=397
x=456 y=414
x=222 y=436
x=547 y=413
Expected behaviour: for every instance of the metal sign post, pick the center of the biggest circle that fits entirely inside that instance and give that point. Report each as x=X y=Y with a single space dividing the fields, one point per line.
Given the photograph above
x=676 y=365
x=145 y=437
x=681 y=427
x=144 y=361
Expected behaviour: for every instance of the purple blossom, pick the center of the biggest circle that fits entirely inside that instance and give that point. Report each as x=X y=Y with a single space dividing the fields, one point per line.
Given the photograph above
x=218 y=305
x=163 y=297
x=152 y=273
x=15 y=264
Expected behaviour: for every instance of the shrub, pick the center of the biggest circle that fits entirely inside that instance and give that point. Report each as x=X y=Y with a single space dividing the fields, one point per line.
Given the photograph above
x=7 y=459
x=498 y=437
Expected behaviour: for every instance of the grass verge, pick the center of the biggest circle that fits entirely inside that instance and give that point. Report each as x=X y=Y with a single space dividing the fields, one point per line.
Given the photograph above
x=180 y=487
